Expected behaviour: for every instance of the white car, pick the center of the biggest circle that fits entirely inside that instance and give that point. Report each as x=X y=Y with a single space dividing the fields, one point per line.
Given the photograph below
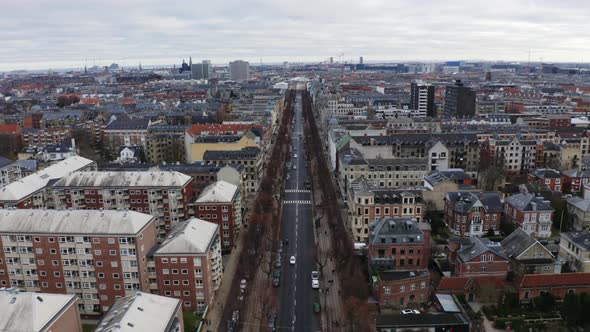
x=315 y=284
x=410 y=312
x=315 y=275
x=295 y=155
x=294 y=167
x=292 y=260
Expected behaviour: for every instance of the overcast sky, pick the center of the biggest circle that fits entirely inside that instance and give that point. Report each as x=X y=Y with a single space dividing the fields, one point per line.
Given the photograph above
x=40 y=34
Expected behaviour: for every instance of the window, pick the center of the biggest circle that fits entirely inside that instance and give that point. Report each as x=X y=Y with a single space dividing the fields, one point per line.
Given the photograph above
x=387 y=290
x=176 y=282
x=165 y=271
x=186 y=293
x=184 y=271
x=165 y=260
x=185 y=282
x=166 y=282
x=402 y=288
x=97 y=252
x=197 y=261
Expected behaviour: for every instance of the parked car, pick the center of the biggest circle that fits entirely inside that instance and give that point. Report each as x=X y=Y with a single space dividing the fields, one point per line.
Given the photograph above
x=292 y=260
x=316 y=307
x=410 y=312
x=276 y=278
x=315 y=275
x=243 y=284
x=315 y=284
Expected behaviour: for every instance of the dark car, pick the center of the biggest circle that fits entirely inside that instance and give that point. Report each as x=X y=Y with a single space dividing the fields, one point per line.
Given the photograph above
x=276 y=278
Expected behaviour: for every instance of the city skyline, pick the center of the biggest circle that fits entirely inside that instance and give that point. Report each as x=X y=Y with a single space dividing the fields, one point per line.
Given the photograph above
x=61 y=35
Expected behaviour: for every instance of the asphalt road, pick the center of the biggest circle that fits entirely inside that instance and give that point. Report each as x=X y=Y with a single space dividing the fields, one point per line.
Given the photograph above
x=296 y=297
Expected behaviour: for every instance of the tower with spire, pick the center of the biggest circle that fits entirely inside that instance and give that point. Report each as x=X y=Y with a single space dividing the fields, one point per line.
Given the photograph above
x=139 y=65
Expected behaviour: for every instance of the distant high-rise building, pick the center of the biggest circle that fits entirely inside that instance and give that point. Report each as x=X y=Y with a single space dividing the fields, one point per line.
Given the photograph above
x=361 y=60
x=459 y=101
x=331 y=60
x=200 y=71
x=239 y=70
x=422 y=99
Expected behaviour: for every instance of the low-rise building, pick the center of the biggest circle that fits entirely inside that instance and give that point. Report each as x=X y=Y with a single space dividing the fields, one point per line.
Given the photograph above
x=558 y=285
x=143 y=312
x=473 y=214
x=575 y=180
x=126 y=133
x=476 y=256
x=96 y=255
x=38 y=312
x=401 y=288
x=579 y=211
x=574 y=249
x=187 y=264
x=527 y=255
x=548 y=177
x=529 y=212
x=221 y=204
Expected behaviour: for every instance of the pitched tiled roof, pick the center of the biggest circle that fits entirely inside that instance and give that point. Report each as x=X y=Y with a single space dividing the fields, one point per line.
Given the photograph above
x=546 y=173
x=523 y=202
x=558 y=279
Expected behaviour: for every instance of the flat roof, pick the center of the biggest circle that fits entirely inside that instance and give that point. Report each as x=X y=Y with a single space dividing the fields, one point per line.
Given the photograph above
x=36 y=221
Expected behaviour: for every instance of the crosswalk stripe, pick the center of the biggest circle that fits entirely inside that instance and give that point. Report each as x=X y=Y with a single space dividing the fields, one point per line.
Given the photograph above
x=296 y=191
x=297 y=202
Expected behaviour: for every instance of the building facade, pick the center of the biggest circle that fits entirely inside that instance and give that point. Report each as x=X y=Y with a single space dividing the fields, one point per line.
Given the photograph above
x=472 y=214
x=187 y=264
x=96 y=255
x=165 y=195
x=530 y=213
x=221 y=204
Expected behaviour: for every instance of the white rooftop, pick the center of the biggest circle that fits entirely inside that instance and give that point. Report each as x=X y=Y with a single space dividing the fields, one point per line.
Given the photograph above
x=30 y=184
x=140 y=312
x=28 y=312
x=72 y=221
x=124 y=179
x=193 y=236
x=218 y=192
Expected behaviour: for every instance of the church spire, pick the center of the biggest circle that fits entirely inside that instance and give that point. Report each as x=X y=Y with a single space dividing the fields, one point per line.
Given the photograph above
x=190 y=61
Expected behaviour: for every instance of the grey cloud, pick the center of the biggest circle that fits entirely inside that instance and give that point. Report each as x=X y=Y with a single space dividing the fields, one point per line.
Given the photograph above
x=42 y=34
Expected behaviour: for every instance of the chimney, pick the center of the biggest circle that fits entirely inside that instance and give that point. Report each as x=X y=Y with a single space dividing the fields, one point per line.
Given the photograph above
x=534 y=206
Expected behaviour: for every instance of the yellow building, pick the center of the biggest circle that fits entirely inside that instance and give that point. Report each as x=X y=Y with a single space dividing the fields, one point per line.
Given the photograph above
x=197 y=146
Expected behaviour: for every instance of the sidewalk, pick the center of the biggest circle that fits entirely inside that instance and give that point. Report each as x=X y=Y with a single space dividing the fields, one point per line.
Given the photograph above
x=215 y=312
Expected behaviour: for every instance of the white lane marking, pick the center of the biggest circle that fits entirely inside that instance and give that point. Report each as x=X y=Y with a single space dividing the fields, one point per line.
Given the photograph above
x=302 y=202
x=297 y=191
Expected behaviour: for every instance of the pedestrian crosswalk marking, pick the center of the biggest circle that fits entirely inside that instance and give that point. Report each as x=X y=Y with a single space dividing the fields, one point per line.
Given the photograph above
x=297 y=202
x=296 y=191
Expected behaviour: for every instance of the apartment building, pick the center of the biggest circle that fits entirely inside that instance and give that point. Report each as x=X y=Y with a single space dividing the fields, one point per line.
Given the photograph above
x=197 y=144
x=381 y=172
x=250 y=158
x=367 y=202
x=143 y=312
x=471 y=213
x=96 y=255
x=516 y=156
x=38 y=312
x=30 y=192
x=398 y=244
x=575 y=180
x=165 y=195
x=221 y=204
x=165 y=143
x=399 y=250
x=547 y=177
x=529 y=212
x=44 y=136
x=9 y=171
x=187 y=265
x=126 y=133
x=574 y=249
